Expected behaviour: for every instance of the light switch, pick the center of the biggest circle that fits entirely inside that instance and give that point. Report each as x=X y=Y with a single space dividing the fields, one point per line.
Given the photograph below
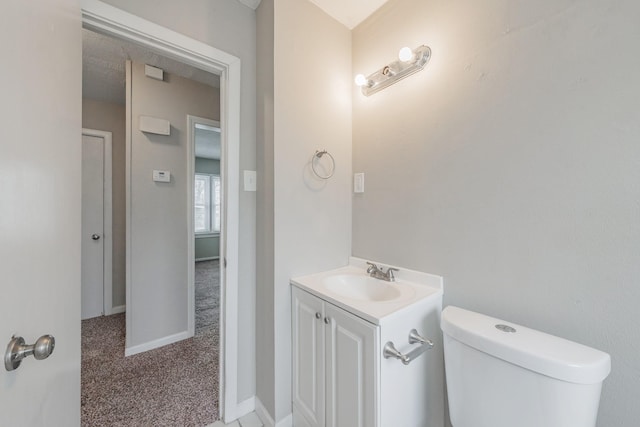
x=358 y=182
x=161 y=176
x=249 y=180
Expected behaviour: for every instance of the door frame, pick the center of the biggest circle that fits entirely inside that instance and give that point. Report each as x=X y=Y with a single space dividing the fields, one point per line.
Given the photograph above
x=106 y=19
x=191 y=170
x=107 y=215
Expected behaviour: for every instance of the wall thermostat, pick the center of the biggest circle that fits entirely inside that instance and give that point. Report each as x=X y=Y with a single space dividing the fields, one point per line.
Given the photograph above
x=161 y=176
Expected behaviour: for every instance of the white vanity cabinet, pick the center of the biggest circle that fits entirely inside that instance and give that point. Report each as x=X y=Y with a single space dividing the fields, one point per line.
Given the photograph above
x=367 y=352
x=336 y=365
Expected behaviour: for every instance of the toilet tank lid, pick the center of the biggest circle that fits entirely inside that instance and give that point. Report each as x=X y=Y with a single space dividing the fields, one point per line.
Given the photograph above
x=534 y=350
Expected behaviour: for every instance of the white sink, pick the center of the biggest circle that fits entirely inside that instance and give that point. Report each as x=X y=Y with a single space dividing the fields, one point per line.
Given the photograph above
x=361 y=288
x=352 y=289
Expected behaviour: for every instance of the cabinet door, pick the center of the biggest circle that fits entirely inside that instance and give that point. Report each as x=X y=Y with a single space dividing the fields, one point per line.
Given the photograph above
x=352 y=370
x=308 y=357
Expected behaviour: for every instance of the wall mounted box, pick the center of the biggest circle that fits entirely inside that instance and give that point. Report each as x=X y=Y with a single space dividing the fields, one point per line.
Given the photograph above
x=153 y=72
x=154 y=125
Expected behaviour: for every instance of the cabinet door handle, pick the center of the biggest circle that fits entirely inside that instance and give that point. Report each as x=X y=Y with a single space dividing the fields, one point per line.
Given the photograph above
x=327 y=320
x=318 y=316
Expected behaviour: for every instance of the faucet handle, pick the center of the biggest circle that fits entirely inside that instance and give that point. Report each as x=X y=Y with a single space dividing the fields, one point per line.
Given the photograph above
x=390 y=274
x=372 y=267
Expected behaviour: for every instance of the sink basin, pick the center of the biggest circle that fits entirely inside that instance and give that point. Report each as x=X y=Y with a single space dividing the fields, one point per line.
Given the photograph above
x=353 y=290
x=361 y=288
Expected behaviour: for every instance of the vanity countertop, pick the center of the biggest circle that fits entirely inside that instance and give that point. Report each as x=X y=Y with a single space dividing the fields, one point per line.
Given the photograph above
x=351 y=289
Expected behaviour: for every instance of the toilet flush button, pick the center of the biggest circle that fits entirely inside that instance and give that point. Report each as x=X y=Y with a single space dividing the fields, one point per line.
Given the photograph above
x=505 y=328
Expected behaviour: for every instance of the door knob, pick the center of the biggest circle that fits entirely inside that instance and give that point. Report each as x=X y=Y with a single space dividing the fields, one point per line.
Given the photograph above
x=95 y=236
x=17 y=350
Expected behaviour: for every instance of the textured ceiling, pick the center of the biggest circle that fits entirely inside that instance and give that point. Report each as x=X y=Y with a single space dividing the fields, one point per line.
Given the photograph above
x=103 y=72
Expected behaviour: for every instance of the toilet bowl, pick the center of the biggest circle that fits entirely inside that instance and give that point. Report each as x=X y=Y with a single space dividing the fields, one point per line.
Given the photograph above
x=500 y=374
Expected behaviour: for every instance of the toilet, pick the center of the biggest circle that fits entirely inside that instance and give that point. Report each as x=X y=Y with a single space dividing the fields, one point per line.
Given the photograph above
x=500 y=374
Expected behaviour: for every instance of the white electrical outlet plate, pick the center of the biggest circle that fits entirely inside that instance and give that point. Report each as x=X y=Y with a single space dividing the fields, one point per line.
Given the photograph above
x=249 y=180
x=358 y=182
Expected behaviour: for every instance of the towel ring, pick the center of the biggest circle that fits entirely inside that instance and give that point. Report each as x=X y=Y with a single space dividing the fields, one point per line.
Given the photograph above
x=319 y=155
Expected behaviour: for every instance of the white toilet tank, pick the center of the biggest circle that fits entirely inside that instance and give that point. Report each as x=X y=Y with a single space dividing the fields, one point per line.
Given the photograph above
x=500 y=374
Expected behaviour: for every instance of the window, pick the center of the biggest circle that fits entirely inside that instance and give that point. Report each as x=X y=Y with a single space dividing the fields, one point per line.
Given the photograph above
x=207 y=203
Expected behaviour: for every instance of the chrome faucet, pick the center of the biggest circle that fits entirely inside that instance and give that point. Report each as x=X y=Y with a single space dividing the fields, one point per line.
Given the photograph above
x=377 y=273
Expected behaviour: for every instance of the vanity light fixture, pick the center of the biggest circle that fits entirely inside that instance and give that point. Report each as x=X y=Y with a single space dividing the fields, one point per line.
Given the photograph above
x=405 y=54
x=409 y=62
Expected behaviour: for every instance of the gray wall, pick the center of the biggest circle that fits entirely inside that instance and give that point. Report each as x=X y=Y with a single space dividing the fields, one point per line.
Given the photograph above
x=110 y=117
x=159 y=241
x=207 y=247
x=211 y=166
x=265 y=332
x=311 y=217
x=510 y=166
x=229 y=26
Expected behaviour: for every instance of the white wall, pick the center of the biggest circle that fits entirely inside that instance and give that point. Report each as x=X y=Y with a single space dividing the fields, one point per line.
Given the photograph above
x=110 y=117
x=510 y=166
x=312 y=217
x=229 y=26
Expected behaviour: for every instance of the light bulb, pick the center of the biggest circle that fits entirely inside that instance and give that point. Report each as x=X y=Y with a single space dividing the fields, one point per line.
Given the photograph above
x=361 y=80
x=405 y=54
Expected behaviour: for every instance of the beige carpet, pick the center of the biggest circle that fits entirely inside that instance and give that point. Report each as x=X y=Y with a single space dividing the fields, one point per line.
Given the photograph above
x=176 y=385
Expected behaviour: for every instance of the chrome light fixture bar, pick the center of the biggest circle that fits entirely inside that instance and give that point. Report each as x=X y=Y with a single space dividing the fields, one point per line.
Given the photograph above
x=409 y=62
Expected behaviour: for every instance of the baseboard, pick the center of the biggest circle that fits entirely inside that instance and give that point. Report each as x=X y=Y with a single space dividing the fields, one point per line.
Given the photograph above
x=116 y=310
x=245 y=407
x=286 y=421
x=263 y=414
x=266 y=419
x=161 y=342
x=211 y=258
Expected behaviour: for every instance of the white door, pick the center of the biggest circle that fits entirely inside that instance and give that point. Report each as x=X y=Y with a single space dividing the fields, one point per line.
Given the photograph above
x=308 y=359
x=352 y=370
x=40 y=209
x=92 y=226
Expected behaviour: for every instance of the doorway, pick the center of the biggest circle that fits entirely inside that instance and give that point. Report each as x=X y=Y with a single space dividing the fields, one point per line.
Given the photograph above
x=119 y=24
x=96 y=223
x=205 y=207
x=159 y=218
